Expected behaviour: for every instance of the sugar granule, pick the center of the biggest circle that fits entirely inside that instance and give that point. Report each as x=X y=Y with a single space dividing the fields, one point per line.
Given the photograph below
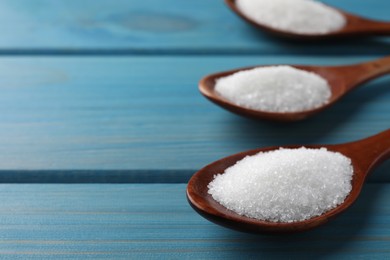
x=285 y=185
x=299 y=16
x=275 y=89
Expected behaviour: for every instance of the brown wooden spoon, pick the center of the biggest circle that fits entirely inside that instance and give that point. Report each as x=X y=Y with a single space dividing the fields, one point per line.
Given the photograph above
x=355 y=26
x=341 y=80
x=365 y=155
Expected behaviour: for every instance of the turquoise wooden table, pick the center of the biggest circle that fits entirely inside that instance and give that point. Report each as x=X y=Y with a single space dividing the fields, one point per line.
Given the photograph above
x=102 y=125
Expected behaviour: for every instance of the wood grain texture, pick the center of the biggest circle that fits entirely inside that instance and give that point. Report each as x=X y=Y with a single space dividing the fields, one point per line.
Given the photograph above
x=157 y=27
x=149 y=221
x=96 y=176
x=145 y=113
x=140 y=118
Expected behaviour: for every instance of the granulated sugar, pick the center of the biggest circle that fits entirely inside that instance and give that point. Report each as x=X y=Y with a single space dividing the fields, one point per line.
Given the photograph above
x=275 y=89
x=300 y=16
x=285 y=185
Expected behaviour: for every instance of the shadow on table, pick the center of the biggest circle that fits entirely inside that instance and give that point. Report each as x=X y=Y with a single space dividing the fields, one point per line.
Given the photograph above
x=362 y=46
x=314 y=129
x=345 y=234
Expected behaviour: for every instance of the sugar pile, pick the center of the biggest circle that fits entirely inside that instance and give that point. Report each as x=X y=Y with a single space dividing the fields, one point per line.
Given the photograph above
x=275 y=89
x=300 y=16
x=285 y=185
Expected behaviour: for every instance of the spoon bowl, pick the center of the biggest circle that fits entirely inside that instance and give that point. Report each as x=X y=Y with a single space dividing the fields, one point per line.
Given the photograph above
x=355 y=26
x=365 y=155
x=341 y=80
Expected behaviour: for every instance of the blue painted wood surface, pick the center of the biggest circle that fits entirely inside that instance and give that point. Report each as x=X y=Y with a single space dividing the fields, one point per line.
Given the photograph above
x=145 y=113
x=155 y=222
x=138 y=118
x=158 y=27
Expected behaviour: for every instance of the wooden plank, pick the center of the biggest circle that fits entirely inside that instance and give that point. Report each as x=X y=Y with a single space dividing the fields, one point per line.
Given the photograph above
x=96 y=176
x=145 y=113
x=154 y=26
x=155 y=221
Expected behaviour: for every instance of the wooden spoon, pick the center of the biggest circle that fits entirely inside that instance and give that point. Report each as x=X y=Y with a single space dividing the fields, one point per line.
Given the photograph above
x=365 y=155
x=355 y=26
x=341 y=80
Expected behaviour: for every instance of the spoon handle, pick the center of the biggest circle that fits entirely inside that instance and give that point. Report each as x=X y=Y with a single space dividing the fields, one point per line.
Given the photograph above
x=377 y=28
x=357 y=74
x=371 y=151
